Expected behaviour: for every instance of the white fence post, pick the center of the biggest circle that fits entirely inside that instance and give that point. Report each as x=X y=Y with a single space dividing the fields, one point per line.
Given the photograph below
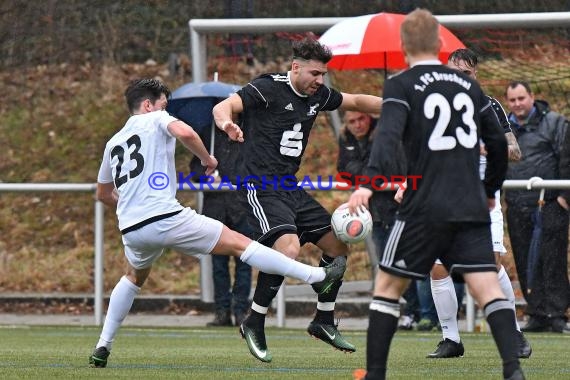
x=281 y=305
x=99 y=266
x=469 y=310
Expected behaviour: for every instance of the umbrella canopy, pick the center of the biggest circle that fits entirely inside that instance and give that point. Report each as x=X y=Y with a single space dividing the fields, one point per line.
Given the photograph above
x=373 y=42
x=193 y=102
x=205 y=89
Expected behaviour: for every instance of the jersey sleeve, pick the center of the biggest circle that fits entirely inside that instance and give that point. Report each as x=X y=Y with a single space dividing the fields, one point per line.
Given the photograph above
x=332 y=99
x=253 y=94
x=501 y=114
x=496 y=145
x=163 y=119
x=390 y=129
x=105 y=175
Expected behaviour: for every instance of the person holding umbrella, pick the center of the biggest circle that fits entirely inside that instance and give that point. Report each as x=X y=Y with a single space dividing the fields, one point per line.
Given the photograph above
x=229 y=297
x=439 y=115
x=193 y=103
x=542 y=136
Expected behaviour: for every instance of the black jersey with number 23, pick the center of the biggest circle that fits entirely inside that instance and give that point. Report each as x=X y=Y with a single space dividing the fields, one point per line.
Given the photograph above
x=277 y=121
x=440 y=115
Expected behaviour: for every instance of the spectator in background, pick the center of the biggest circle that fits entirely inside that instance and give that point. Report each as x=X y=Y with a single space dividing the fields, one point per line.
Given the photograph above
x=354 y=149
x=220 y=205
x=354 y=144
x=428 y=313
x=541 y=136
x=412 y=308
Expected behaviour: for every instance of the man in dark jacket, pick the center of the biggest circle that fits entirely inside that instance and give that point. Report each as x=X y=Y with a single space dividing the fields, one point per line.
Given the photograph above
x=541 y=136
x=354 y=150
x=354 y=144
x=228 y=299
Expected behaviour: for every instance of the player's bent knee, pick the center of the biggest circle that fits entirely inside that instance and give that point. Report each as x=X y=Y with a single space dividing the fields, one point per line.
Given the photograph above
x=390 y=286
x=332 y=246
x=288 y=245
x=484 y=286
x=438 y=272
x=231 y=243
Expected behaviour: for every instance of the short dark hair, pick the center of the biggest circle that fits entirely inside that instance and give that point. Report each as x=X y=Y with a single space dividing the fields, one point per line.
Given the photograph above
x=141 y=89
x=465 y=55
x=311 y=49
x=516 y=83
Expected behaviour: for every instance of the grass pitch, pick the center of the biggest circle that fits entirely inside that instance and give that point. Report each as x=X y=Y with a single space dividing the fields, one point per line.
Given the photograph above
x=206 y=353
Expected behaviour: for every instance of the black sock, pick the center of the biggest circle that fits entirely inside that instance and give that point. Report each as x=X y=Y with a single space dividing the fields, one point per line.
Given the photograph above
x=327 y=316
x=382 y=325
x=266 y=289
x=501 y=319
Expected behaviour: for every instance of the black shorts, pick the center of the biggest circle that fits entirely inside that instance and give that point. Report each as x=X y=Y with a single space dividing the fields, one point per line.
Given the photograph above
x=274 y=213
x=462 y=247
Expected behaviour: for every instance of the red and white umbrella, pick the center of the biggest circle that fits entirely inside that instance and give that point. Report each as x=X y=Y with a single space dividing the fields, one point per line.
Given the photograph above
x=373 y=41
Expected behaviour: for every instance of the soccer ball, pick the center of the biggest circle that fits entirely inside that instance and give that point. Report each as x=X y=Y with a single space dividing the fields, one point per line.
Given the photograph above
x=348 y=228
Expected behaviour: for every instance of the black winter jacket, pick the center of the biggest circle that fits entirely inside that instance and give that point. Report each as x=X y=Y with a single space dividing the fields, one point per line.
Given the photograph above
x=541 y=141
x=353 y=158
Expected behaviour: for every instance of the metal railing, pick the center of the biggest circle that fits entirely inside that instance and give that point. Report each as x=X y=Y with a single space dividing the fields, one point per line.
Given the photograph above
x=533 y=183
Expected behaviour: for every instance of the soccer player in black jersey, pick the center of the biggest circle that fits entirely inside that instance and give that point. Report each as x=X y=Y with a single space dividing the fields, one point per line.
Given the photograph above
x=442 y=287
x=439 y=115
x=278 y=111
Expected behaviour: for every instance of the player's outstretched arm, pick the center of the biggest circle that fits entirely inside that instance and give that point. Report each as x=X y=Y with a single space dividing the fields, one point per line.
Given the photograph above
x=497 y=152
x=107 y=194
x=361 y=103
x=359 y=198
x=513 y=146
x=193 y=143
x=223 y=116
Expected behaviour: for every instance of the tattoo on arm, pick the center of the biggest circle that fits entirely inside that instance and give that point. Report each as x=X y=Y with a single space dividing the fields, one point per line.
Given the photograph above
x=514 y=149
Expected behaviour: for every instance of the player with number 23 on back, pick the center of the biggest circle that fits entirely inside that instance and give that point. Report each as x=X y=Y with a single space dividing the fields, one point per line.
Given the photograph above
x=439 y=115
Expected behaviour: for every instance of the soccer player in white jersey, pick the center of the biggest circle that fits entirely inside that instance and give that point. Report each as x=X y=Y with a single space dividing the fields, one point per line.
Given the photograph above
x=442 y=288
x=137 y=176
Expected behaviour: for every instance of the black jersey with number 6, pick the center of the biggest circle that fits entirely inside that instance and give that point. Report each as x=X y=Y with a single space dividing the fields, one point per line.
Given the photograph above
x=440 y=115
x=277 y=121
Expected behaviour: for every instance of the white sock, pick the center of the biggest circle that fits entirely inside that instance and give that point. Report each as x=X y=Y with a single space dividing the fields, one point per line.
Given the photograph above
x=273 y=262
x=507 y=288
x=120 y=303
x=445 y=301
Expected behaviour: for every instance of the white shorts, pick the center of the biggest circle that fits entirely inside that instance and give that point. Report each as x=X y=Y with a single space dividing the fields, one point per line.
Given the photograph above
x=187 y=232
x=496 y=227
